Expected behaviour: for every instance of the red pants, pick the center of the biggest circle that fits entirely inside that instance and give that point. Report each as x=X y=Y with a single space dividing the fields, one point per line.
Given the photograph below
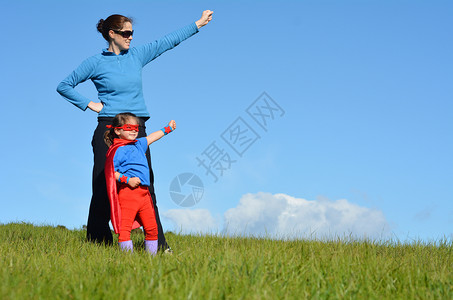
x=136 y=204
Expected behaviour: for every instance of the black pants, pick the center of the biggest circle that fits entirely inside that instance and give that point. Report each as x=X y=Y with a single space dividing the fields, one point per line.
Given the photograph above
x=98 y=229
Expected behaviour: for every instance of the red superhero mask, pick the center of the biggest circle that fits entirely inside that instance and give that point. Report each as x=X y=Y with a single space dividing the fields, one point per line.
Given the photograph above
x=125 y=127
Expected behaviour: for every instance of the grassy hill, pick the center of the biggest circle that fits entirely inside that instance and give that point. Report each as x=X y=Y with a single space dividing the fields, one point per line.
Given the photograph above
x=43 y=262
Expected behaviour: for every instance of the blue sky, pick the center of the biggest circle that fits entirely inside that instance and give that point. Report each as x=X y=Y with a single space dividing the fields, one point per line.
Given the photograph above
x=364 y=144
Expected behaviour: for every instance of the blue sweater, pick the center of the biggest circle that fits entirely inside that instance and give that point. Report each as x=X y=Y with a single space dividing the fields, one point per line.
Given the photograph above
x=118 y=78
x=130 y=160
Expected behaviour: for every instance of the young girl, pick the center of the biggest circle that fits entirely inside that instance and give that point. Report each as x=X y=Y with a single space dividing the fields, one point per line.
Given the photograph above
x=127 y=179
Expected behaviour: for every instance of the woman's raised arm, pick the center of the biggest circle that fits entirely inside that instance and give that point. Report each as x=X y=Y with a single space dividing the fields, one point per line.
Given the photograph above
x=151 y=51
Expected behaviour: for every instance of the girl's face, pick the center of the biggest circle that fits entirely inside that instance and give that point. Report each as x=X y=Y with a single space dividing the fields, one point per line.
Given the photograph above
x=129 y=135
x=118 y=39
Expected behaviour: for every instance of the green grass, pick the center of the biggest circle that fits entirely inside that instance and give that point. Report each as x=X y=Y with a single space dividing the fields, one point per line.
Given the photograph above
x=43 y=262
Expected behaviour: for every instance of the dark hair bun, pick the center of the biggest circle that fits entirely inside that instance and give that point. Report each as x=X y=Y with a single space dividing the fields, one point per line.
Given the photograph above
x=100 y=26
x=115 y=22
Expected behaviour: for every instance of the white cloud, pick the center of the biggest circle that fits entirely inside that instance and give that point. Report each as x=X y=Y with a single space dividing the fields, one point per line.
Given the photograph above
x=192 y=220
x=281 y=215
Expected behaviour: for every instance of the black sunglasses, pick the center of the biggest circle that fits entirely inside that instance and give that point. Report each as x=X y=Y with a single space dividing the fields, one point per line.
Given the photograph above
x=124 y=34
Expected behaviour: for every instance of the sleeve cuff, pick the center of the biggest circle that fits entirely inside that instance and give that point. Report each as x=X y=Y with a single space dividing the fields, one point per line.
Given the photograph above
x=84 y=106
x=195 y=27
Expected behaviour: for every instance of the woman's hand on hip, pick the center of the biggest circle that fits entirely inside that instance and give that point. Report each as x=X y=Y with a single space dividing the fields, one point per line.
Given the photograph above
x=206 y=17
x=95 y=106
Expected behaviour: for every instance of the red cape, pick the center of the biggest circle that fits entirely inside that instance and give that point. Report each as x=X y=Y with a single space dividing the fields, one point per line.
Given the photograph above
x=112 y=191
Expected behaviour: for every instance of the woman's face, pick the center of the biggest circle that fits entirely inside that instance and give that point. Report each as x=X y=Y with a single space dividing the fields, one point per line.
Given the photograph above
x=123 y=43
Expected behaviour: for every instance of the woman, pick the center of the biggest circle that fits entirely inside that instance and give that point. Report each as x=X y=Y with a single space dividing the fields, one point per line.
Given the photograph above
x=116 y=73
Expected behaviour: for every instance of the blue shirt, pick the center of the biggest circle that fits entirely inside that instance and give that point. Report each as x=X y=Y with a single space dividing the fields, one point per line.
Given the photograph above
x=118 y=78
x=130 y=160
